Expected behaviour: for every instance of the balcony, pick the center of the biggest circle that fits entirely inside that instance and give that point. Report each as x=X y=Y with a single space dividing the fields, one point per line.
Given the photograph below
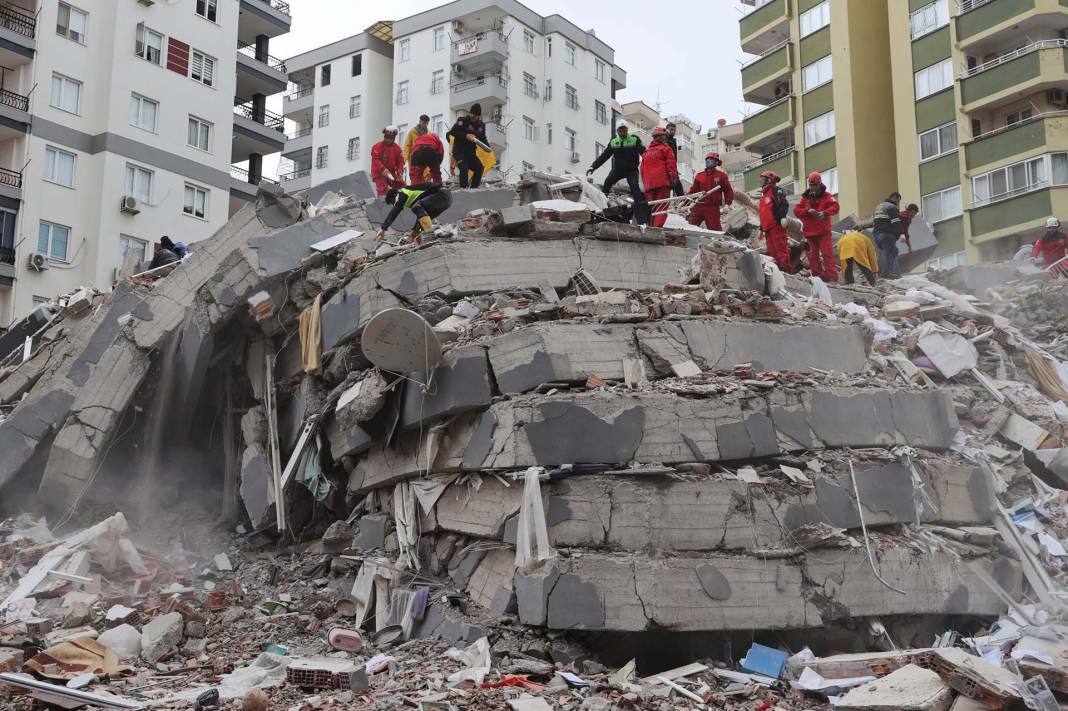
x=300 y=139
x=1044 y=133
x=1038 y=66
x=296 y=179
x=765 y=27
x=14 y=114
x=263 y=17
x=483 y=48
x=487 y=90
x=783 y=163
x=243 y=189
x=256 y=131
x=497 y=135
x=10 y=184
x=978 y=16
x=770 y=123
x=299 y=102
x=1022 y=213
x=259 y=73
x=18 y=29
x=762 y=74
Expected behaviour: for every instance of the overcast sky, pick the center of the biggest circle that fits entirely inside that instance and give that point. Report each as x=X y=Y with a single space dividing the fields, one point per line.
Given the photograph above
x=686 y=51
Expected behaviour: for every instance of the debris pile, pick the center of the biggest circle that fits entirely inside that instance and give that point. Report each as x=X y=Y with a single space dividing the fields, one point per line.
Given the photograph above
x=545 y=459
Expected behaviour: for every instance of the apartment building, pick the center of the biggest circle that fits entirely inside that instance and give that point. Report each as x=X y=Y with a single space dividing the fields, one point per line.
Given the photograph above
x=960 y=106
x=727 y=139
x=118 y=125
x=546 y=88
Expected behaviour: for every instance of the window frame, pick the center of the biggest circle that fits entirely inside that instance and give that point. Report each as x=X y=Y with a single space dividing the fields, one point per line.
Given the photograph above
x=824 y=9
x=65 y=259
x=205 y=60
x=439 y=33
x=945 y=70
x=817 y=65
x=828 y=124
x=437 y=82
x=832 y=171
x=356 y=106
x=600 y=112
x=144 y=31
x=322 y=157
x=571 y=141
x=326 y=75
x=357 y=64
x=65 y=81
x=141 y=100
x=354 y=142
x=600 y=71
x=570 y=54
x=131 y=238
x=201 y=124
x=530 y=85
x=135 y=170
x=403 y=92
x=929 y=214
x=67 y=34
x=942 y=150
x=191 y=211
x=529 y=42
x=938 y=21
x=210 y=7
x=571 y=99
x=530 y=129
x=404 y=50
x=322 y=119
x=53 y=164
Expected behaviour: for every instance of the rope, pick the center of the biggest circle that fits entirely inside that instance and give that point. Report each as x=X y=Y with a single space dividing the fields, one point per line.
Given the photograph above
x=864 y=528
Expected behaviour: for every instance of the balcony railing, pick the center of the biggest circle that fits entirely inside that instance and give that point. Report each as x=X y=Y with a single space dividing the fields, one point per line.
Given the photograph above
x=279 y=5
x=7 y=255
x=767 y=52
x=300 y=133
x=250 y=51
x=261 y=116
x=14 y=101
x=770 y=158
x=471 y=84
x=10 y=178
x=1015 y=54
x=295 y=175
x=1015 y=192
x=242 y=175
x=300 y=92
x=19 y=22
x=968 y=5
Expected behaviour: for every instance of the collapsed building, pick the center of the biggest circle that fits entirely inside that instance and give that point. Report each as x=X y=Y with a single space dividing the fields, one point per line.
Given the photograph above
x=609 y=429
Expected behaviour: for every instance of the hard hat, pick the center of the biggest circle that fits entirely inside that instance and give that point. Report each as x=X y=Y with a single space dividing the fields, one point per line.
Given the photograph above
x=714 y=156
x=770 y=175
x=815 y=177
x=390 y=129
x=658 y=131
x=1053 y=222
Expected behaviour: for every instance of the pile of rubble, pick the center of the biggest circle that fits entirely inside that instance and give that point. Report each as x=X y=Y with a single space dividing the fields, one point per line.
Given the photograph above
x=607 y=443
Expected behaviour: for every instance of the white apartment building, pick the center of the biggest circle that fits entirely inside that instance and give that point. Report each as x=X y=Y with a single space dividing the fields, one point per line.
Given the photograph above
x=546 y=87
x=121 y=122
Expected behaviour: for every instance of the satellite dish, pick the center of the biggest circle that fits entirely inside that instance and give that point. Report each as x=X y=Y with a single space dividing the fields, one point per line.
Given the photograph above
x=401 y=341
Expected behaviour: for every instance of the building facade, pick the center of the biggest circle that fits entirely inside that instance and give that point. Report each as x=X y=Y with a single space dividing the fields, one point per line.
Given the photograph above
x=960 y=106
x=546 y=89
x=118 y=125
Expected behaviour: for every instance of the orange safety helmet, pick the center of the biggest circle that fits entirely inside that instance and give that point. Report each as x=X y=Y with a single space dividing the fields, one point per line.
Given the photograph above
x=714 y=156
x=658 y=131
x=814 y=177
x=770 y=175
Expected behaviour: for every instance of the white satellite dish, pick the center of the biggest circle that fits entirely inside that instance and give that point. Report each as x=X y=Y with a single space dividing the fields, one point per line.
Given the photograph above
x=401 y=341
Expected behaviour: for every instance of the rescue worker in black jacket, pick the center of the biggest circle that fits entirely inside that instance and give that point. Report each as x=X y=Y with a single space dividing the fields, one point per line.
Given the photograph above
x=626 y=154
x=426 y=200
x=465 y=132
x=676 y=187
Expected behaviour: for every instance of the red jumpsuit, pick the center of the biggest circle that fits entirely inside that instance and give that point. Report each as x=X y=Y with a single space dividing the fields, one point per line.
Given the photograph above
x=423 y=163
x=771 y=225
x=1052 y=250
x=708 y=210
x=387 y=157
x=659 y=172
x=818 y=231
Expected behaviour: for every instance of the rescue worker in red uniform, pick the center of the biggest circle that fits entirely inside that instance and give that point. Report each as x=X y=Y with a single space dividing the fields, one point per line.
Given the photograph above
x=773 y=208
x=1052 y=247
x=428 y=153
x=387 y=162
x=816 y=208
x=707 y=211
x=659 y=172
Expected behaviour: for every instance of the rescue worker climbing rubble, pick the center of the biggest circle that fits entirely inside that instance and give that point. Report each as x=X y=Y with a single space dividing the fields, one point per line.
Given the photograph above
x=815 y=209
x=428 y=153
x=887 y=232
x=659 y=172
x=708 y=210
x=773 y=209
x=387 y=162
x=427 y=200
x=626 y=153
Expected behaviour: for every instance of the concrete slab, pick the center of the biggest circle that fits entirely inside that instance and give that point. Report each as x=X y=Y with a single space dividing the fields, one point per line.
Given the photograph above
x=461 y=382
x=910 y=688
x=463 y=202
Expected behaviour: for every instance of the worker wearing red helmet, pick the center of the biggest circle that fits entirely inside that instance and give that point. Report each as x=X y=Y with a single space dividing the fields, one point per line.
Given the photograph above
x=707 y=211
x=774 y=208
x=815 y=209
x=659 y=172
x=387 y=162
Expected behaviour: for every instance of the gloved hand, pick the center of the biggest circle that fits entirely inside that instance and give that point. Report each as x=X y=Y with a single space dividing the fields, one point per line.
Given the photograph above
x=589 y=172
x=380 y=236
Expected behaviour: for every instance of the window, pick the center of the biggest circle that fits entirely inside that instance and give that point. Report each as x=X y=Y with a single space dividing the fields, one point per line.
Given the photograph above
x=548 y=89
x=402 y=130
x=947 y=262
x=354 y=149
x=357 y=65
x=324 y=75
x=405 y=46
x=52 y=239
x=143 y=112
x=571 y=97
x=71 y=23
x=527 y=167
x=138 y=183
x=530 y=85
x=59 y=167
x=819 y=129
x=938 y=141
x=528 y=41
x=599 y=71
x=202 y=68
x=208 y=9
x=126 y=243
x=830 y=179
x=816 y=19
x=816 y=74
x=530 y=129
x=1060 y=168
x=1014 y=179
x=66 y=93
x=149 y=45
x=439 y=38
x=322 y=156
x=437 y=82
x=934 y=79
x=199 y=133
x=569 y=54
x=600 y=112
x=196 y=202
x=402 y=93
x=1018 y=116
x=437 y=124
x=942 y=205
x=571 y=140
x=355 y=106
x=929 y=18
x=324 y=115
x=548 y=46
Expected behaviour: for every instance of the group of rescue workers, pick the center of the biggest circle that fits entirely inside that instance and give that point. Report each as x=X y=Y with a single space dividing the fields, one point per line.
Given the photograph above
x=652 y=177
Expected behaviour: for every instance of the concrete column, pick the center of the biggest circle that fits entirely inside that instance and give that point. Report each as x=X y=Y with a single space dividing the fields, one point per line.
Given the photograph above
x=262 y=43
x=255 y=168
x=259 y=108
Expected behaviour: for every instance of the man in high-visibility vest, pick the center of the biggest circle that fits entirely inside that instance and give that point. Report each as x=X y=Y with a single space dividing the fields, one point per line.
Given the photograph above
x=426 y=200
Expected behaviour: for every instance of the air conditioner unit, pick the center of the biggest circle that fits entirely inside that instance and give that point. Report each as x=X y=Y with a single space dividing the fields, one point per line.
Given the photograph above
x=1057 y=97
x=147 y=2
x=458 y=70
x=129 y=205
x=38 y=262
x=458 y=28
x=575 y=157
